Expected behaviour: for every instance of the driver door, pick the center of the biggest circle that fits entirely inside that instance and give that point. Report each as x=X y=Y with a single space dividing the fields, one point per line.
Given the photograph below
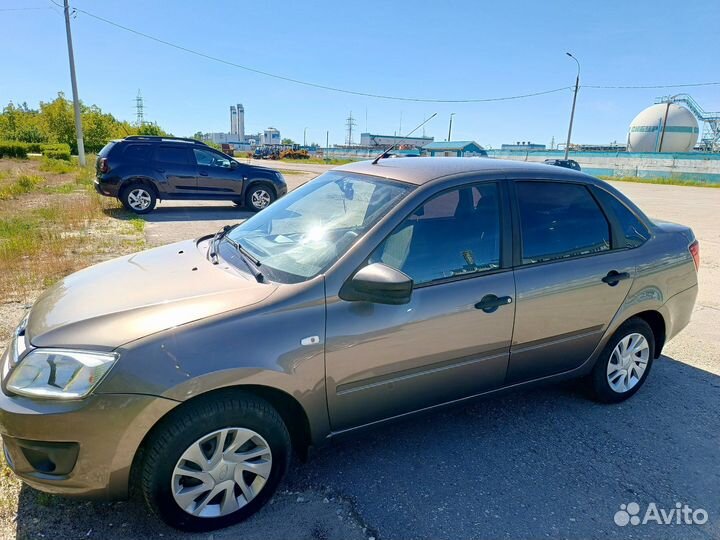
x=387 y=360
x=216 y=177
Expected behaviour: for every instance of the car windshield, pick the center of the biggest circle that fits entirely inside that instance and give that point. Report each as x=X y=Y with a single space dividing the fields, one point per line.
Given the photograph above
x=302 y=234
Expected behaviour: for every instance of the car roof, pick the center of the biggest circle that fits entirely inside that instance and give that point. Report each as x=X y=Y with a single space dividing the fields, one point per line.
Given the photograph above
x=425 y=169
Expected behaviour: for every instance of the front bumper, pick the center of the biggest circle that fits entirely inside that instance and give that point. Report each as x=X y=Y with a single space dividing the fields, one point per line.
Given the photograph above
x=80 y=448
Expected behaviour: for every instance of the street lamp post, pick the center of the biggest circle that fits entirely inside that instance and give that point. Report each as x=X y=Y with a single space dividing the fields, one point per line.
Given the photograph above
x=450 y=127
x=572 y=112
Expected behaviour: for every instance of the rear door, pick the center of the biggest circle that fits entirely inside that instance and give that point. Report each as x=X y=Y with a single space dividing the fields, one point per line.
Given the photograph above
x=216 y=177
x=177 y=170
x=571 y=277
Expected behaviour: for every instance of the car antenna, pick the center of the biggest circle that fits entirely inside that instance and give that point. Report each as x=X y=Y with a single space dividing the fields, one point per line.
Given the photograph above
x=385 y=152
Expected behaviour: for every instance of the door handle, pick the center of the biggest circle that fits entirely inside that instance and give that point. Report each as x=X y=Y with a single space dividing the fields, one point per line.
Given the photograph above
x=203 y=173
x=614 y=277
x=490 y=302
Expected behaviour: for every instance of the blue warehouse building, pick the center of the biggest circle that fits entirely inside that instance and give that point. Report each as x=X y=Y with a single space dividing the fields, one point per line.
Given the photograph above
x=453 y=149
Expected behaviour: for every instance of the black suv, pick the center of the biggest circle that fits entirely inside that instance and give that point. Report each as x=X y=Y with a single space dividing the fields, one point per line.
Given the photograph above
x=139 y=170
x=567 y=163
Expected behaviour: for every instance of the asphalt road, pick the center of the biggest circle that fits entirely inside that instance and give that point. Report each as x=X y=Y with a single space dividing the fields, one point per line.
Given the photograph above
x=532 y=464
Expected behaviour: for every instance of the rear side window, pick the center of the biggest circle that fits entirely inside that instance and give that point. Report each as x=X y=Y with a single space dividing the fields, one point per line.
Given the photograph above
x=558 y=221
x=138 y=152
x=634 y=231
x=172 y=154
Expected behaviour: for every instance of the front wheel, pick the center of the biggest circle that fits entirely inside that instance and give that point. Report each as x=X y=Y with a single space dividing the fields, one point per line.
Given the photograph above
x=625 y=363
x=215 y=463
x=259 y=196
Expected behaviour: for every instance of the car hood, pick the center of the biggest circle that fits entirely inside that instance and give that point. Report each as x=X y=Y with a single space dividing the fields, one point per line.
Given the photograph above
x=118 y=301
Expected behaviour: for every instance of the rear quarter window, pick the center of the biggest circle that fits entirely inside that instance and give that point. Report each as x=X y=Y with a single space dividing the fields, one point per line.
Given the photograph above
x=106 y=149
x=633 y=229
x=138 y=152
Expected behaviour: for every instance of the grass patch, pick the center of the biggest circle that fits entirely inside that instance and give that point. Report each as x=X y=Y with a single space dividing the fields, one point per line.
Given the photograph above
x=318 y=161
x=663 y=181
x=57 y=166
x=138 y=224
x=25 y=183
x=291 y=171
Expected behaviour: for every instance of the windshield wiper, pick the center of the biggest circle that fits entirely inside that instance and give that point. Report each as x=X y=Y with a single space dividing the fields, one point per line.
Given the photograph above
x=213 y=249
x=250 y=261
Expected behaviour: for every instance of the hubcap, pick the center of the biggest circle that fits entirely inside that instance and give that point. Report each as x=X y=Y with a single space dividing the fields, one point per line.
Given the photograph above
x=221 y=472
x=139 y=199
x=628 y=362
x=260 y=198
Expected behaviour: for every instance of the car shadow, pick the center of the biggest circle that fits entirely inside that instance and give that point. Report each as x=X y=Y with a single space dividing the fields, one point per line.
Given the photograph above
x=529 y=464
x=168 y=213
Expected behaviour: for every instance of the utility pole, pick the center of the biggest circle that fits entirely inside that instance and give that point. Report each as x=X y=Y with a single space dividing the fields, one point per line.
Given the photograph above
x=73 y=80
x=304 y=136
x=572 y=112
x=450 y=127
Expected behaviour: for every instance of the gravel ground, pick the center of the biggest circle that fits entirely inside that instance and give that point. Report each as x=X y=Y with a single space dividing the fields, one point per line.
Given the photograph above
x=534 y=464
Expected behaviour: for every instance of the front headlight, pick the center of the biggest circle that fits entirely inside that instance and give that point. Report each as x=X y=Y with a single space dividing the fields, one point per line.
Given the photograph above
x=59 y=373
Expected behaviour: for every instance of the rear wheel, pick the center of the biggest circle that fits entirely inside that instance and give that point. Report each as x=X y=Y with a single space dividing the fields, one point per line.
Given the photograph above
x=259 y=196
x=625 y=363
x=138 y=198
x=216 y=463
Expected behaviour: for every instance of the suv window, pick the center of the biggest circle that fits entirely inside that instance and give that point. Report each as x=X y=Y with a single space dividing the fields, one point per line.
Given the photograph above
x=172 y=154
x=558 y=221
x=634 y=231
x=211 y=159
x=138 y=152
x=452 y=234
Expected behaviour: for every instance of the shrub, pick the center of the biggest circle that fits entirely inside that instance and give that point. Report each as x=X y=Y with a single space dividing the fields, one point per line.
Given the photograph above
x=295 y=154
x=56 y=151
x=13 y=149
x=34 y=148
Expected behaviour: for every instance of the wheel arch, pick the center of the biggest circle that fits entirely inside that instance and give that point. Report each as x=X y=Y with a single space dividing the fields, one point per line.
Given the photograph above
x=289 y=409
x=255 y=181
x=147 y=182
x=656 y=321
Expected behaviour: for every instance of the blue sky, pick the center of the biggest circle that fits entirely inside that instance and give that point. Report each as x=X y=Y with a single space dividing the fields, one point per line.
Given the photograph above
x=432 y=49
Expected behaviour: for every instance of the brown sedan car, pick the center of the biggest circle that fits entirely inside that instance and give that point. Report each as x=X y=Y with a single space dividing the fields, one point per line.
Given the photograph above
x=373 y=292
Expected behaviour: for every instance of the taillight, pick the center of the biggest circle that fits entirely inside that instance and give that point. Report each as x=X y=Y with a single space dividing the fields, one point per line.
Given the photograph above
x=694 y=249
x=104 y=167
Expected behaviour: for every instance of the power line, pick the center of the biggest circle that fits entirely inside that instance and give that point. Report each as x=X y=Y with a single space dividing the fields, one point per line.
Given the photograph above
x=311 y=84
x=651 y=86
x=371 y=95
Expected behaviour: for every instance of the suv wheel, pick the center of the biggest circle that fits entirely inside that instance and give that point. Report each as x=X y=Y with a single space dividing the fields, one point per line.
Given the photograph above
x=259 y=196
x=215 y=464
x=624 y=364
x=138 y=198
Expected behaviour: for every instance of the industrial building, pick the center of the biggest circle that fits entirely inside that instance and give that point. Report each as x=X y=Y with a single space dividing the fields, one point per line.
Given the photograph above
x=371 y=140
x=523 y=146
x=237 y=137
x=453 y=149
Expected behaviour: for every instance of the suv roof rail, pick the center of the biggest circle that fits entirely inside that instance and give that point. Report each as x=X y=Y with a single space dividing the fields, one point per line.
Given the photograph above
x=159 y=139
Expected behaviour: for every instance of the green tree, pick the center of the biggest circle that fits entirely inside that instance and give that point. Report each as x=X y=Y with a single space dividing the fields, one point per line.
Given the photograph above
x=288 y=141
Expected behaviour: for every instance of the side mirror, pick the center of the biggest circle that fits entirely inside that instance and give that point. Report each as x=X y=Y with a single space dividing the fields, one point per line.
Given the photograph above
x=234 y=164
x=378 y=283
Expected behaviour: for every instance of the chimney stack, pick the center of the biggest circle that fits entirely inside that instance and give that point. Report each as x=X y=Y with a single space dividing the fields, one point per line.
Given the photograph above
x=233 y=120
x=240 y=122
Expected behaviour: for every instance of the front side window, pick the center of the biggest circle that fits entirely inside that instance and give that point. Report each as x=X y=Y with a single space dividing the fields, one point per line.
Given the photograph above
x=453 y=234
x=634 y=231
x=210 y=159
x=558 y=221
x=171 y=154
x=302 y=234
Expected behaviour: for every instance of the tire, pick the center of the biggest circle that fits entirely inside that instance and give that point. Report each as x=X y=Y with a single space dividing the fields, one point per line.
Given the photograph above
x=259 y=196
x=172 y=451
x=138 y=198
x=238 y=203
x=616 y=376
